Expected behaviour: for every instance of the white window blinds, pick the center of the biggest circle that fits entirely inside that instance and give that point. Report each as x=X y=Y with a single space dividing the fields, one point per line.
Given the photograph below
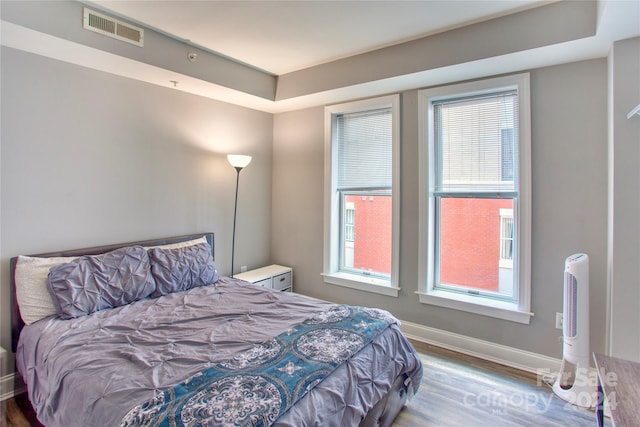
x=475 y=143
x=364 y=150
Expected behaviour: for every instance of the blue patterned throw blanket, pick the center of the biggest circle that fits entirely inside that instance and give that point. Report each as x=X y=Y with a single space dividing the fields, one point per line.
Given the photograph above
x=257 y=386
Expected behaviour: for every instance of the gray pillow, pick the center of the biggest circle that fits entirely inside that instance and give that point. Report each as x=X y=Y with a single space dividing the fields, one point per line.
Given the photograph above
x=180 y=269
x=92 y=283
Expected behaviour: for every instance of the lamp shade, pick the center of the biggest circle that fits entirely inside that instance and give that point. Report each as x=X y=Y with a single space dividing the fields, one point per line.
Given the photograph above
x=238 y=160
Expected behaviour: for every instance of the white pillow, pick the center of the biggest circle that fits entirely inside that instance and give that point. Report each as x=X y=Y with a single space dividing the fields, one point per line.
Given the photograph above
x=32 y=294
x=180 y=244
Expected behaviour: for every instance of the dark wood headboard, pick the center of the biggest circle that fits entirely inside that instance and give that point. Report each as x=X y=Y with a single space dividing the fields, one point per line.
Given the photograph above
x=16 y=320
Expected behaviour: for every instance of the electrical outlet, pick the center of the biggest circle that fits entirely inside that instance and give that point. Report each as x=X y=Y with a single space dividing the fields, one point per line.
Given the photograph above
x=559 y=320
x=243 y=269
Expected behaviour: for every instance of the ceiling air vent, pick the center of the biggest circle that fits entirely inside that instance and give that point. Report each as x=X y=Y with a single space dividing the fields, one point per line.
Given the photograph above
x=111 y=27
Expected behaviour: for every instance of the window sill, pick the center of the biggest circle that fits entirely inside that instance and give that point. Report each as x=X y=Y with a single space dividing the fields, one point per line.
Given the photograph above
x=367 y=284
x=486 y=307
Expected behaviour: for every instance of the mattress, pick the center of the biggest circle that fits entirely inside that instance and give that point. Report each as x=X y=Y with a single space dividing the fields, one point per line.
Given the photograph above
x=93 y=370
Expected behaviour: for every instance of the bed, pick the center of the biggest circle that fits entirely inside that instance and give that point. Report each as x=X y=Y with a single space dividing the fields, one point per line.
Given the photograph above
x=147 y=333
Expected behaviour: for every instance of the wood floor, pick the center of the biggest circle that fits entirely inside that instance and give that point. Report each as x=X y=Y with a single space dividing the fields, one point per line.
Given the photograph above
x=459 y=390
x=12 y=415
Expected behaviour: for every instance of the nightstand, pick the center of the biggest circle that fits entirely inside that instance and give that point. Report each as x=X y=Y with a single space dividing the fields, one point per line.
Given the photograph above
x=273 y=276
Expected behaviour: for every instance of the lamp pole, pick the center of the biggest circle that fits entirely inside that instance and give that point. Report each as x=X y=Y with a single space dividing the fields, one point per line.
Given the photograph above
x=238 y=161
x=235 y=213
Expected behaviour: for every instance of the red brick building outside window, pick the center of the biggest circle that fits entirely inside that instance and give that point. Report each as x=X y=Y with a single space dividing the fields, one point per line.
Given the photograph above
x=470 y=239
x=371 y=246
x=470 y=242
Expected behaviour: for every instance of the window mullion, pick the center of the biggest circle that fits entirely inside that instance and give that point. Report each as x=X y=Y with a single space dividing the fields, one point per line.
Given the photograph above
x=476 y=194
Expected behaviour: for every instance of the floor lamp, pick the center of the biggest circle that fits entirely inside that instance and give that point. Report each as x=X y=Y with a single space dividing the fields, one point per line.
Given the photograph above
x=239 y=162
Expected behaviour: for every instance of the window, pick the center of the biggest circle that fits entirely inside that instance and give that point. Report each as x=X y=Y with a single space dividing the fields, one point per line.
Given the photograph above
x=361 y=229
x=475 y=198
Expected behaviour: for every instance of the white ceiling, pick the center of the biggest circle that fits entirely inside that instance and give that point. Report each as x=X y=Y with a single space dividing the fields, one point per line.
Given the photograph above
x=284 y=36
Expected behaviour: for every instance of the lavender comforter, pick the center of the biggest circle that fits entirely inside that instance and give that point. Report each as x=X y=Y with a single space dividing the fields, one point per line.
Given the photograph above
x=92 y=370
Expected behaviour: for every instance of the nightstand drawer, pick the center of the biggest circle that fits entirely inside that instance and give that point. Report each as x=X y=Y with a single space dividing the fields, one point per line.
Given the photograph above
x=281 y=281
x=266 y=283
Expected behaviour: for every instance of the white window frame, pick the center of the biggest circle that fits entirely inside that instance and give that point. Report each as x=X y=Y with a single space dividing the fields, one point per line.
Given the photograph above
x=519 y=311
x=331 y=268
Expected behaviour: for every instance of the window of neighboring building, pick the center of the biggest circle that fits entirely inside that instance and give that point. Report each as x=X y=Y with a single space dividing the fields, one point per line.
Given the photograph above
x=475 y=205
x=349 y=235
x=506 y=238
x=361 y=198
x=349 y=222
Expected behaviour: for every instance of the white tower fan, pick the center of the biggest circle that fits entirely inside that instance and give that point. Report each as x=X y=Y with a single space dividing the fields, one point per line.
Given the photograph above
x=573 y=383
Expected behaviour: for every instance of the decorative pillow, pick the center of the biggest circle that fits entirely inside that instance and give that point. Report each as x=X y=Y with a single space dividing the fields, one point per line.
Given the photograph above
x=92 y=283
x=180 y=269
x=32 y=294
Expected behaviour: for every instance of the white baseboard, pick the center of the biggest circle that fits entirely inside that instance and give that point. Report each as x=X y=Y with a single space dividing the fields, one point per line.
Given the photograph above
x=7 y=390
x=6 y=387
x=509 y=356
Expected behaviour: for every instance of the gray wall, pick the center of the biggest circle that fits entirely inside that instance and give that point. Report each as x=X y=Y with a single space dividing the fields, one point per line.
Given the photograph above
x=624 y=202
x=89 y=158
x=569 y=167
